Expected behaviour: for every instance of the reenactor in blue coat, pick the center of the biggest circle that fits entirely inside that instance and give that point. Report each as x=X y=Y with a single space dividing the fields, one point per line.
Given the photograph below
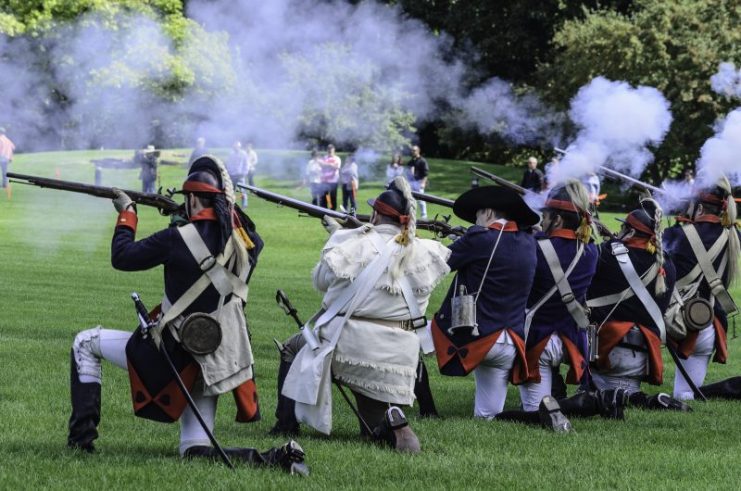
x=557 y=322
x=218 y=230
x=630 y=317
x=707 y=234
x=479 y=326
x=558 y=318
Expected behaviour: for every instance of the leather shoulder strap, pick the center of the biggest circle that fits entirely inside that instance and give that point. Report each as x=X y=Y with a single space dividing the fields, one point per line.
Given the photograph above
x=639 y=289
x=576 y=309
x=708 y=271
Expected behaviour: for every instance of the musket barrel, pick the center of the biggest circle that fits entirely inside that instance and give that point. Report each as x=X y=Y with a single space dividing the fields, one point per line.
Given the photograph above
x=166 y=204
x=499 y=180
x=630 y=180
x=319 y=212
x=431 y=198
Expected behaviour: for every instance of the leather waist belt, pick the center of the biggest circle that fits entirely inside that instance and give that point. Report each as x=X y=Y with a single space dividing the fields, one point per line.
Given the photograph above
x=406 y=325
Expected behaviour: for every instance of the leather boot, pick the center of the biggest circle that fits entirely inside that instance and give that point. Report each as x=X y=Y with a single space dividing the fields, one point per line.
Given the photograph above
x=395 y=431
x=83 y=423
x=558 y=385
x=729 y=388
x=661 y=402
x=609 y=404
x=423 y=393
x=289 y=457
x=551 y=417
x=519 y=416
x=286 y=423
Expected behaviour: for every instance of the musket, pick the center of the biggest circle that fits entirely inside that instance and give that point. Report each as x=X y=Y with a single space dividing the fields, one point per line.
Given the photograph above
x=499 y=180
x=165 y=204
x=440 y=228
x=431 y=198
x=631 y=180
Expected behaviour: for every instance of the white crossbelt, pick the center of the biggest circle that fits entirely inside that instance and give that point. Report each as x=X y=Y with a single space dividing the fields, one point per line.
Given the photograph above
x=561 y=282
x=639 y=289
x=711 y=275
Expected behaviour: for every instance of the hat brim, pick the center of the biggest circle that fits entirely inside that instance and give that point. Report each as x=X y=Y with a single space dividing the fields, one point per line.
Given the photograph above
x=497 y=198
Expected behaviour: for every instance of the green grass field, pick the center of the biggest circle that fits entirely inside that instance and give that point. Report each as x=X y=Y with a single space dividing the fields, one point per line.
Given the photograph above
x=57 y=279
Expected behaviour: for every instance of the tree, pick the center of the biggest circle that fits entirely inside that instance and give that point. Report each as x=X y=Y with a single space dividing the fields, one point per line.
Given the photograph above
x=673 y=45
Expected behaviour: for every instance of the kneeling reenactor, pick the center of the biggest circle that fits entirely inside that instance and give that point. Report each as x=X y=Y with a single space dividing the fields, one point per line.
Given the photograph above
x=207 y=264
x=480 y=325
x=377 y=280
x=628 y=298
x=704 y=246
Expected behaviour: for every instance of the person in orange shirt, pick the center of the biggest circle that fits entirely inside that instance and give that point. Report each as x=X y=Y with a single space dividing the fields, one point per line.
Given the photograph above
x=6 y=154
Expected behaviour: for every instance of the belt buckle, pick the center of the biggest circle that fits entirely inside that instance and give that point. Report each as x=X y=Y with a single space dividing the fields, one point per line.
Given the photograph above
x=207 y=263
x=568 y=298
x=418 y=322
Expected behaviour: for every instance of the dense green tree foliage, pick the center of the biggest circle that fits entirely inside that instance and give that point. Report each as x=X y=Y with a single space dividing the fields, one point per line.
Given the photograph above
x=551 y=47
x=673 y=45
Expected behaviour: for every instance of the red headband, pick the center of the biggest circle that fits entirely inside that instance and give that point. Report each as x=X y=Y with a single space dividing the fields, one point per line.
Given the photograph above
x=561 y=205
x=711 y=198
x=200 y=187
x=390 y=211
x=640 y=226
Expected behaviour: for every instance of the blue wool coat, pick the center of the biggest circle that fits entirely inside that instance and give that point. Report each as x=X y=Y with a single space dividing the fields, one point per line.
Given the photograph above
x=501 y=304
x=553 y=317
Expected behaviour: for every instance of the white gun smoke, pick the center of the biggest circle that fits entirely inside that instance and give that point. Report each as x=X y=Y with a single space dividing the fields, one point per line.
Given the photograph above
x=281 y=74
x=727 y=81
x=617 y=125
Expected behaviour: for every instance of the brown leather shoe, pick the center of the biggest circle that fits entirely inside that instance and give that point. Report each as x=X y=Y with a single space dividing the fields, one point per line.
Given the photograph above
x=404 y=438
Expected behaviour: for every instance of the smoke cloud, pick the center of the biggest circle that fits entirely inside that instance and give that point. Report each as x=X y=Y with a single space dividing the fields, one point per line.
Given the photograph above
x=283 y=74
x=494 y=108
x=617 y=123
x=721 y=154
x=727 y=81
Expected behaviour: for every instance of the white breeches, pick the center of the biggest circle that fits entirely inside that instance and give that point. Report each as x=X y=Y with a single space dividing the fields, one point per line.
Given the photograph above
x=492 y=376
x=696 y=365
x=532 y=393
x=627 y=369
x=96 y=344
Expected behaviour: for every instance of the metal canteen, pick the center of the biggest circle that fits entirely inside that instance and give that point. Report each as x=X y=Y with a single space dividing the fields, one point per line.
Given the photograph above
x=200 y=334
x=697 y=314
x=463 y=308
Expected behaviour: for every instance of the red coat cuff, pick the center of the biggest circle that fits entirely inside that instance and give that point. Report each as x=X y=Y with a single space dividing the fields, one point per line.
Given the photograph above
x=127 y=219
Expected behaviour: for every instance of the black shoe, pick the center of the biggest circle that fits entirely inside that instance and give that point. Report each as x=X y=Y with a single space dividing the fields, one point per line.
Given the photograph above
x=611 y=403
x=395 y=431
x=663 y=401
x=290 y=458
x=551 y=416
x=289 y=431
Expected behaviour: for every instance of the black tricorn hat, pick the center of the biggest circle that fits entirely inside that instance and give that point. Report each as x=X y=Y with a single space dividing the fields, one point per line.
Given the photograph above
x=497 y=198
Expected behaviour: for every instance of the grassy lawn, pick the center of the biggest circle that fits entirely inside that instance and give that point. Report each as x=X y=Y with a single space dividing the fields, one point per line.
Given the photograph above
x=57 y=279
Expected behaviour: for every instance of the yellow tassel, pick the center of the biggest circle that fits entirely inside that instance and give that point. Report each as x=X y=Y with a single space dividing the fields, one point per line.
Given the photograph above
x=245 y=238
x=651 y=248
x=584 y=232
x=724 y=219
